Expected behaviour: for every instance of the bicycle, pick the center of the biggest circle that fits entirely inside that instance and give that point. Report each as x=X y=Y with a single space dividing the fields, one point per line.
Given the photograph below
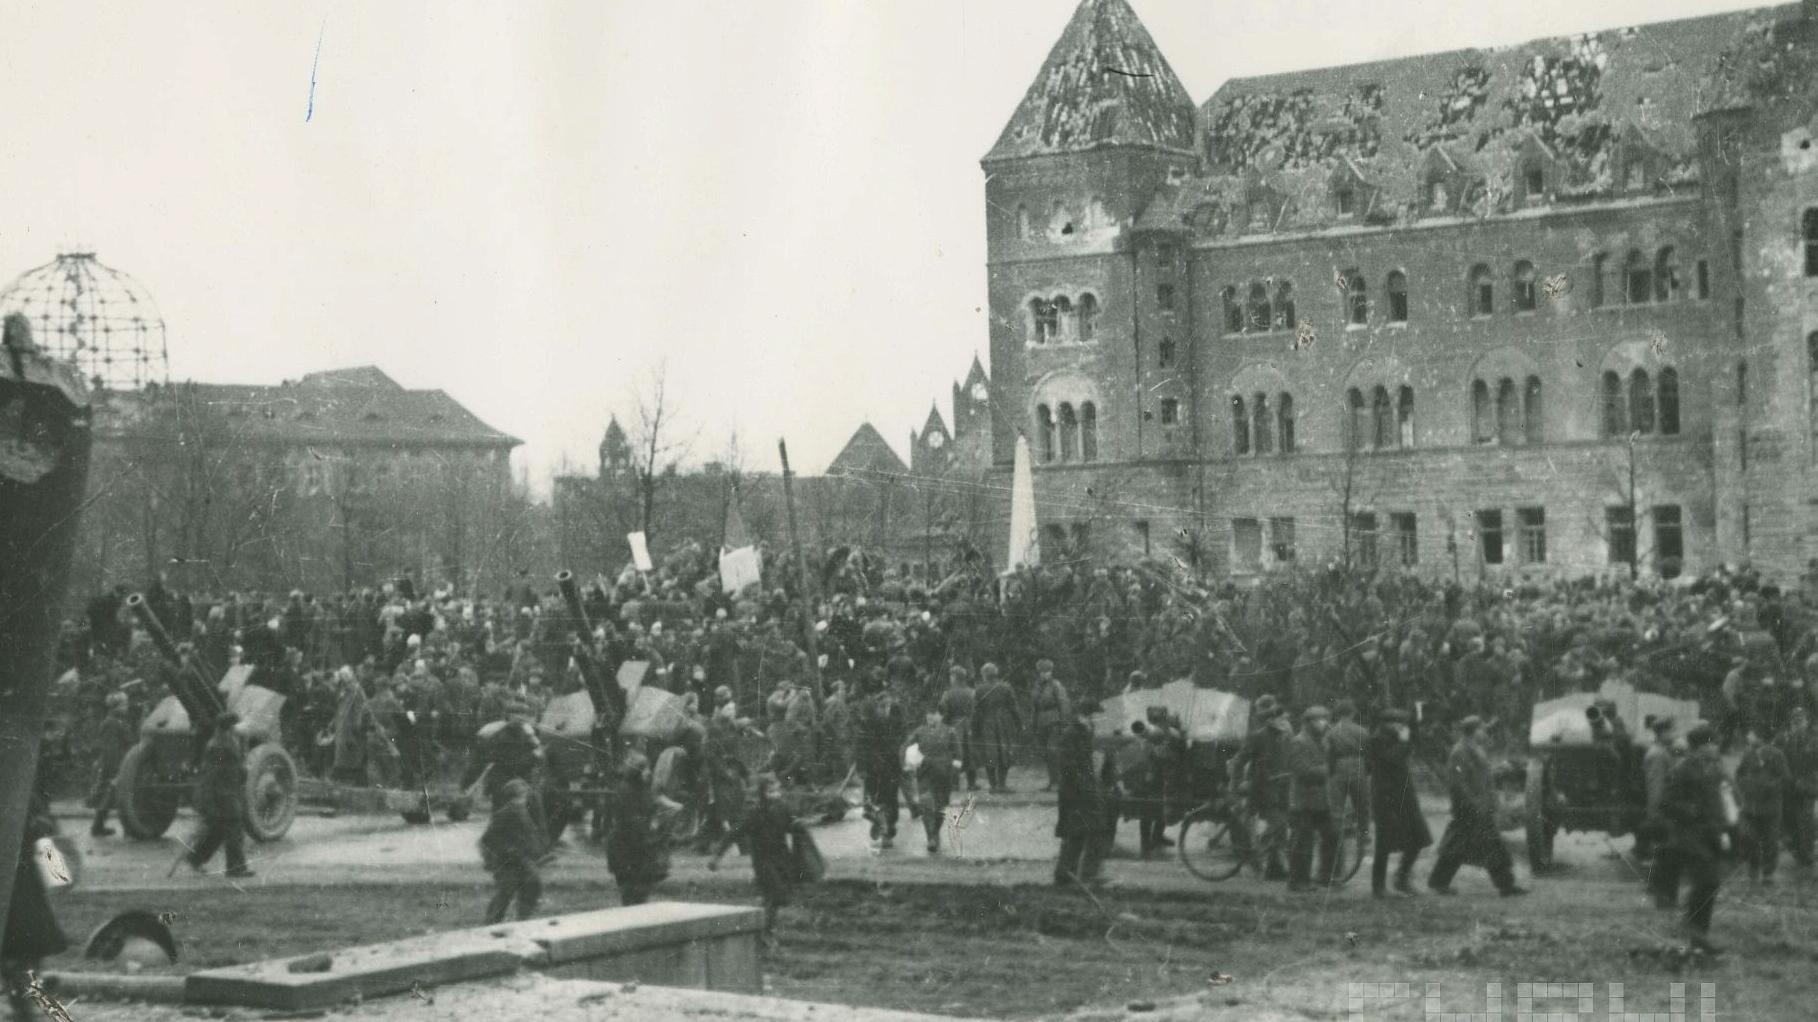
x=1235 y=837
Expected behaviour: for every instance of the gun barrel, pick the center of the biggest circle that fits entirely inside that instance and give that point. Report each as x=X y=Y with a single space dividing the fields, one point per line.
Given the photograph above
x=193 y=691
x=608 y=698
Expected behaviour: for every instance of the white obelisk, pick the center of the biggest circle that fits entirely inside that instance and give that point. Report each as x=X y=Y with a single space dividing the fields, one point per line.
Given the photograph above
x=1025 y=542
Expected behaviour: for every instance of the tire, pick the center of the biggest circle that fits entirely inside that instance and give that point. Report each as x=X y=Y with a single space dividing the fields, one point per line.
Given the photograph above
x=1539 y=830
x=1206 y=849
x=147 y=800
x=1353 y=845
x=271 y=792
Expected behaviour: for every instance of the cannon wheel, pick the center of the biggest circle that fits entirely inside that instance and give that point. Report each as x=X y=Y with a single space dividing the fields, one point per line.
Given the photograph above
x=271 y=792
x=147 y=807
x=1539 y=829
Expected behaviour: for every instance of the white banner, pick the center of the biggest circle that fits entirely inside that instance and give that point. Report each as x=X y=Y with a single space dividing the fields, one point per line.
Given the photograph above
x=740 y=568
x=640 y=551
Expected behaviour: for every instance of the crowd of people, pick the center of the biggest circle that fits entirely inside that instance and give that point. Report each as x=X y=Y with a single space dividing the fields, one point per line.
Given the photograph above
x=390 y=687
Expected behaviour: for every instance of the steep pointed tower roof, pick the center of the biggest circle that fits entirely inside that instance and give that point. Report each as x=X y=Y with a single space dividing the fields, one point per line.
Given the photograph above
x=976 y=374
x=1104 y=83
x=935 y=422
x=615 y=434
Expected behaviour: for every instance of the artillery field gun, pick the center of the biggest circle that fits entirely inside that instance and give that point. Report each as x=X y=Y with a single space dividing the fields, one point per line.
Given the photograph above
x=1584 y=763
x=160 y=769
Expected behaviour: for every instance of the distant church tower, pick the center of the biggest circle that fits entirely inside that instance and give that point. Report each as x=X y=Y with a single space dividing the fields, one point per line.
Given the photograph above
x=615 y=452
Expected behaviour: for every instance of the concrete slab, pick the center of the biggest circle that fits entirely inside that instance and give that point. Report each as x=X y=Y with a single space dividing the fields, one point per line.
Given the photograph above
x=321 y=980
x=667 y=943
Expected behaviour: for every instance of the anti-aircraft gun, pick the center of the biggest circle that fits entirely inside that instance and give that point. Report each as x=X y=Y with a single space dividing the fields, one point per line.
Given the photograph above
x=160 y=768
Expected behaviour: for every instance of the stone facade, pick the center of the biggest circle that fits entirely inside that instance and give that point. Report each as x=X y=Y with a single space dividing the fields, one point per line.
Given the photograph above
x=1546 y=308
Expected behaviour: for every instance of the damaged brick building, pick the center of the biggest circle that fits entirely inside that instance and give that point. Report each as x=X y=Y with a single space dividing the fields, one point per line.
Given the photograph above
x=1542 y=308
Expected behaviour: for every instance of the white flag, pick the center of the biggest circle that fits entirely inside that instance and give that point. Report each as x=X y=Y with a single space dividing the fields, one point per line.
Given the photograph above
x=640 y=552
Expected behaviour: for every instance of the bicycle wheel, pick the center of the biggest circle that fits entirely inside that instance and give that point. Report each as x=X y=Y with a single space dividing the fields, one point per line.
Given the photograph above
x=1209 y=848
x=1353 y=845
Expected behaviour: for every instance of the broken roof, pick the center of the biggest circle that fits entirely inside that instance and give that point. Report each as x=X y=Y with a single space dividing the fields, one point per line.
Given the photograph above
x=359 y=406
x=866 y=452
x=1105 y=83
x=1576 y=97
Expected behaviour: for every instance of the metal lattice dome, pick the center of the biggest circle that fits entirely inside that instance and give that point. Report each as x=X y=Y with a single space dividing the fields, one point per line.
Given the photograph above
x=94 y=316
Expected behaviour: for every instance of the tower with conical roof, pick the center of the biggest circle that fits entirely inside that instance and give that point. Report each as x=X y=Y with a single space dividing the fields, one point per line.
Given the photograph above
x=1104 y=124
x=1077 y=308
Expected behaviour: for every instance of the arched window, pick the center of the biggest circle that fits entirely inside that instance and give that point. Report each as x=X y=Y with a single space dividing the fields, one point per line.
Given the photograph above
x=1482 y=294
x=1638 y=278
x=1508 y=412
x=1259 y=311
x=1164 y=353
x=1615 y=419
x=1088 y=315
x=1669 y=402
x=1088 y=431
x=1525 y=299
x=1023 y=230
x=1530 y=411
x=1483 y=416
x=1357 y=423
x=1240 y=427
x=1069 y=434
x=1641 y=402
x=1404 y=416
x=1059 y=223
x=1284 y=305
x=1261 y=429
x=1357 y=298
x=1234 y=311
x=1066 y=326
x=1047 y=323
x=1382 y=419
x=1600 y=268
x=1398 y=296
x=1096 y=214
x=1809 y=227
x=1044 y=432
x=1666 y=276
x=1284 y=415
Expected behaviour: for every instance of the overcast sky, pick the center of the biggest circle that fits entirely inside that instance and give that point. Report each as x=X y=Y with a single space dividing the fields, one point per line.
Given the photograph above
x=529 y=205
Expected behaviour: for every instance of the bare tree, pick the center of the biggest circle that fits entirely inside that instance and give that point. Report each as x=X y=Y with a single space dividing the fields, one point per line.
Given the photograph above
x=1349 y=490
x=656 y=446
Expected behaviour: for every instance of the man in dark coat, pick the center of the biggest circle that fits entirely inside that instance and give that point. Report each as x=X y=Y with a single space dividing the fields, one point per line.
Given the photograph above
x=957 y=706
x=1082 y=805
x=1472 y=835
x=510 y=848
x=1761 y=783
x=113 y=738
x=1696 y=820
x=1261 y=766
x=1800 y=743
x=1050 y=712
x=1394 y=805
x=221 y=800
x=1310 y=803
x=995 y=726
x=637 y=849
x=883 y=724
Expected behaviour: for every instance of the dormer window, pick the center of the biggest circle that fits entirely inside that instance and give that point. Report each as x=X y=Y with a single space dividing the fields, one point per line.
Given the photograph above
x=1636 y=175
x=1438 y=196
x=1346 y=200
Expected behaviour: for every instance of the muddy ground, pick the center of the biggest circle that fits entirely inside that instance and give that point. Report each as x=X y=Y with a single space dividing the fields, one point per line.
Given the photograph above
x=1021 y=949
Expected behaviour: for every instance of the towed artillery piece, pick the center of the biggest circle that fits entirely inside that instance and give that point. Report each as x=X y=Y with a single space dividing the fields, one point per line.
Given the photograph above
x=1584 y=763
x=160 y=768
